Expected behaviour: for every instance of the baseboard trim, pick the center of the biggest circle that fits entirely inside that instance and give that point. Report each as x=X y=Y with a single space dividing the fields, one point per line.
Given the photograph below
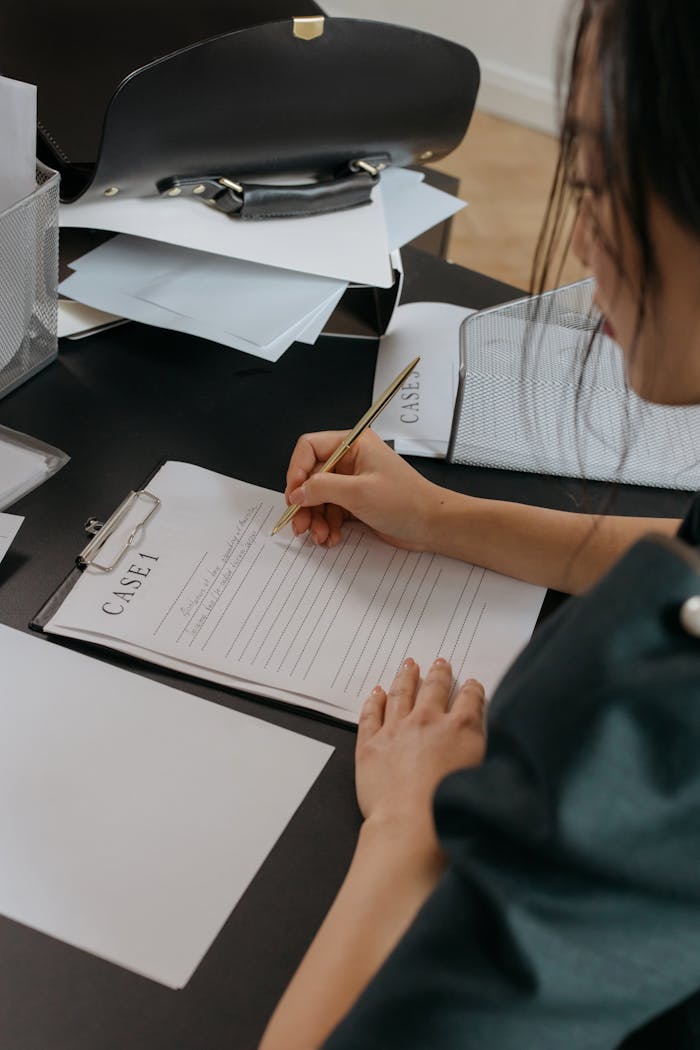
x=518 y=96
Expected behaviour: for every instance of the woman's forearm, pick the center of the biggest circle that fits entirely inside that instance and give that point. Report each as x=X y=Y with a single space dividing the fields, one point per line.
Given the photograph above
x=390 y=877
x=558 y=549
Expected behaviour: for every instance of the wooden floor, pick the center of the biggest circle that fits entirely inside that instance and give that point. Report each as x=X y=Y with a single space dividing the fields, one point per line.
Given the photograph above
x=505 y=171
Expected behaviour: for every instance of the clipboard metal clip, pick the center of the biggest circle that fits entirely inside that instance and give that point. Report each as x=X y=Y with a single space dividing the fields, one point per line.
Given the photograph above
x=101 y=532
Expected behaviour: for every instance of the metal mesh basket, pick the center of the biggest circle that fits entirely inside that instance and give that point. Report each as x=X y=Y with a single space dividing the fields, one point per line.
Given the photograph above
x=28 y=282
x=540 y=392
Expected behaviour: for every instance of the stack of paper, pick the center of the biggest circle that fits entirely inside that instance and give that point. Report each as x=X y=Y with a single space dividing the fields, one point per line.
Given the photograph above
x=259 y=309
x=257 y=287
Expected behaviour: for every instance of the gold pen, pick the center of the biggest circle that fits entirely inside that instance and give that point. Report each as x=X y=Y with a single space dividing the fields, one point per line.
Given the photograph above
x=347 y=442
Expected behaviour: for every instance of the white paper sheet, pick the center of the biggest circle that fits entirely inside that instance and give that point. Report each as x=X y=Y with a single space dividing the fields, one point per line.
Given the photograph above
x=116 y=277
x=103 y=297
x=419 y=418
x=349 y=245
x=411 y=207
x=426 y=448
x=316 y=325
x=77 y=319
x=133 y=816
x=257 y=303
x=9 y=527
x=206 y=588
x=18 y=138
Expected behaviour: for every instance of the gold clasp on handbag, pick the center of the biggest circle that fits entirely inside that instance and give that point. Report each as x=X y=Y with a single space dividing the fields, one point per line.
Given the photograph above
x=308 y=28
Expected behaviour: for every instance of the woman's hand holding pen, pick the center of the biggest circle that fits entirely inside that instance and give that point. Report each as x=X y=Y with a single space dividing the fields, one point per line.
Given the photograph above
x=371 y=483
x=552 y=548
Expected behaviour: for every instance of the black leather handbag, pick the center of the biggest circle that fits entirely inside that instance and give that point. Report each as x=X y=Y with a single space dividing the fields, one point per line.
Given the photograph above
x=290 y=117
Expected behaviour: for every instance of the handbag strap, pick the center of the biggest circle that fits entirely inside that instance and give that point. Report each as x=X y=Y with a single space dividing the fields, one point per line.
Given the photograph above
x=246 y=200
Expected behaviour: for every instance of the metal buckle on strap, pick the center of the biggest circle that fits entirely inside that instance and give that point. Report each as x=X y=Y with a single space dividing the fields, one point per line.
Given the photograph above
x=364 y=165
x=231 y=185
x=207 y=188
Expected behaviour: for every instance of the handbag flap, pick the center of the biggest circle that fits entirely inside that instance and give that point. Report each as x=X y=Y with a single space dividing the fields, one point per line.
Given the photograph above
x=78 y=53
x=263 y=102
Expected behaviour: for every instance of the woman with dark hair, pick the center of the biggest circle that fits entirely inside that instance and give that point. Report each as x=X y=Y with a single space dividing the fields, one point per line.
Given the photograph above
x=542 y=890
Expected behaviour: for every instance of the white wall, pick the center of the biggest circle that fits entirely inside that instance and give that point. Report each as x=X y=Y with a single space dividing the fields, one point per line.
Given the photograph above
x=515 y=42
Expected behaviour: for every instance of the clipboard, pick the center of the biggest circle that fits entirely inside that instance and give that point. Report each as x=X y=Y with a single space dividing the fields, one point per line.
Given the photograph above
x=99 y=532
x=216 y=597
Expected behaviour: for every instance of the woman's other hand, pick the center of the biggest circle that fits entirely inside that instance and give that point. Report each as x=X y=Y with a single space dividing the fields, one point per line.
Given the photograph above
x=408 y=740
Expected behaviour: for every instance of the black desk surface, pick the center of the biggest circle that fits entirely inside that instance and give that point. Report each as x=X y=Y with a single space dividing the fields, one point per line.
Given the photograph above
x=118 y=403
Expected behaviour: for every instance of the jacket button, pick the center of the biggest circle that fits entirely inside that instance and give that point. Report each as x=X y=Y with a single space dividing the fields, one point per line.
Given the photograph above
x=690 y=615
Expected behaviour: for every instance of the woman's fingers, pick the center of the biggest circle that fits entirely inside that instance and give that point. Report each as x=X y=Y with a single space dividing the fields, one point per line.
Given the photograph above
x=402 y=692
x=310 y=452
x=335 y=516
x=320 y=515
x=301 y=521
x=325 y=523
x=432 y=695
x=469 y=705
x=296 y=476
x=319 y=526
x=434 y=692
x=371 y=716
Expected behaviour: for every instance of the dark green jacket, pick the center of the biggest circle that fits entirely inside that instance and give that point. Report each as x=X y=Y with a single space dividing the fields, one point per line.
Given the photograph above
x=569 y=916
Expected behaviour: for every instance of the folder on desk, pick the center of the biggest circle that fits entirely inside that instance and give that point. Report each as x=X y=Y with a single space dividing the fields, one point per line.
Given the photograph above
x=186 y=574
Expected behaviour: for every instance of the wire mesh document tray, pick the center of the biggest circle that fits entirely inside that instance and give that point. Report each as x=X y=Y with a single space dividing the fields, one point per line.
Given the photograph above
x=28 y=282
x=542 y=391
